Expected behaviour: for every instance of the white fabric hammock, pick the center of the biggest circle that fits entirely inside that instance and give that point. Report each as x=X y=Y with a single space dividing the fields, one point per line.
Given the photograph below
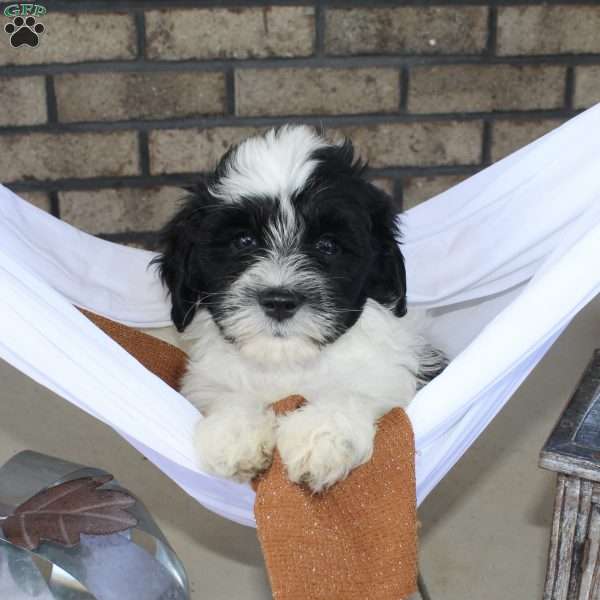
x=504 y=260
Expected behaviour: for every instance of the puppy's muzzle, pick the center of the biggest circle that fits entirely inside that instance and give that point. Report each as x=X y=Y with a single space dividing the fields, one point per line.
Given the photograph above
x=279 y=303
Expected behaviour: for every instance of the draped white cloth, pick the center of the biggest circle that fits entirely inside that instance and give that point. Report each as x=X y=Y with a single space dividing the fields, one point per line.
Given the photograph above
x=504 y=261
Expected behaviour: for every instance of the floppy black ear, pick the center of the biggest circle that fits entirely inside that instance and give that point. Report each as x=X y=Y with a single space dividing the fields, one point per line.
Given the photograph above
x=387 y=279
x=387 y=283
x=178 y=271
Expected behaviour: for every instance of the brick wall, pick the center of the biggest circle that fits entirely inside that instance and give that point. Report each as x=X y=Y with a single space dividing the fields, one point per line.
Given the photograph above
x=121 y=102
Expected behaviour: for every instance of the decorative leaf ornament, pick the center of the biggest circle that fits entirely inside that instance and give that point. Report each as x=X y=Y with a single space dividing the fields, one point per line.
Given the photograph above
x=63 y=512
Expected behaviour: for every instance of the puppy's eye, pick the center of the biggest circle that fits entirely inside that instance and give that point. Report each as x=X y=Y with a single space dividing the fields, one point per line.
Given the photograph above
x=327 y=246
x=244 y=241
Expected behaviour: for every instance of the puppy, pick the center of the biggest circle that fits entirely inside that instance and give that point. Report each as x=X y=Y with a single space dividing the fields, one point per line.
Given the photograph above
x=284 y=269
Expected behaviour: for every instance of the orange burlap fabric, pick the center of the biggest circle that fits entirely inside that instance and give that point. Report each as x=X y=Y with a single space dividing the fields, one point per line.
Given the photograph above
x=357 y=541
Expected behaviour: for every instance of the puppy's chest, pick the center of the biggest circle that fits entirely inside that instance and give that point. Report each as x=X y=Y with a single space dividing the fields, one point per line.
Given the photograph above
x=264 y=385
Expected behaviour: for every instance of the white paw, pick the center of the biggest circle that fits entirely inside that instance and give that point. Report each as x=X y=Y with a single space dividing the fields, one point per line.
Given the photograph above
x=234 y=444
x=320 y=447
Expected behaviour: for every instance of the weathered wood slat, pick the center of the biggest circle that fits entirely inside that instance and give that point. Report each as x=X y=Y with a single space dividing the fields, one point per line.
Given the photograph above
x=591 y=565
x=580 y=538
x=566 y=534
x=596 y=585
x=552 y=565
x=573 y=451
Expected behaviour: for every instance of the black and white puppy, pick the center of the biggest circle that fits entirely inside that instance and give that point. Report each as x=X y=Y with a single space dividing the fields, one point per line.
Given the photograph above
x=285 y=270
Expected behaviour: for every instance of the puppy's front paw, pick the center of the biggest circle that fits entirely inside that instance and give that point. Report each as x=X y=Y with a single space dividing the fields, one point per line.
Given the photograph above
x=236 y=445
x=320 y=448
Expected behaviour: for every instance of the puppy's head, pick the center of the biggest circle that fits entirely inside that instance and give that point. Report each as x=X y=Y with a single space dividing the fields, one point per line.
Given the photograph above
x=282 y=246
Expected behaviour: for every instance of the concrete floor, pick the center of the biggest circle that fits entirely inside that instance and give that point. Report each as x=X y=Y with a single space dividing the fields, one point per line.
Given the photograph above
x=485 y=527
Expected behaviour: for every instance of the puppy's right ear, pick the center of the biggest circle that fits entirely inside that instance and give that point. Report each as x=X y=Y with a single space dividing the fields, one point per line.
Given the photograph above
x=177 y=269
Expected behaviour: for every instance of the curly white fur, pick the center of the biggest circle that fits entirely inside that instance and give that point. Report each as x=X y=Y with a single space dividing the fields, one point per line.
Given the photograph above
x=349 y=384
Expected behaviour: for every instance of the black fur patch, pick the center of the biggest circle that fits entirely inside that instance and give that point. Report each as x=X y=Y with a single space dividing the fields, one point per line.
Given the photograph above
x=347 y=233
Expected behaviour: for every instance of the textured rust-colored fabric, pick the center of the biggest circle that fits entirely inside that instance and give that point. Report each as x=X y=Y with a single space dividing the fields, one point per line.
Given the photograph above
x=358 y=541
x=163 y=359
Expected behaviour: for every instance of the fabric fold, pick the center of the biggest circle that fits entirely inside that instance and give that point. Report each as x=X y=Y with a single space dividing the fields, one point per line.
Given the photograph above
x=503 y=261
x=357 y=541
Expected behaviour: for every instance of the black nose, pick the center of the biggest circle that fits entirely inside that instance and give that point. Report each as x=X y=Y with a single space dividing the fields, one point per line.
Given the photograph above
x=280 y=304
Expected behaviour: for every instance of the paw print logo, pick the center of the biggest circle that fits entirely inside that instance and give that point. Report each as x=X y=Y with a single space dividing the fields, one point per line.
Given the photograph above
x=24 y=31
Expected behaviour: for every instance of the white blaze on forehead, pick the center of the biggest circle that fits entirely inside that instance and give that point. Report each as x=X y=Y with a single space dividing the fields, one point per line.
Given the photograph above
x=275 y=165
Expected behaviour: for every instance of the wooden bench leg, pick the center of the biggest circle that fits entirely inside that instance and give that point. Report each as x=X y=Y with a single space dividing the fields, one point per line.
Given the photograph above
x=573 y=571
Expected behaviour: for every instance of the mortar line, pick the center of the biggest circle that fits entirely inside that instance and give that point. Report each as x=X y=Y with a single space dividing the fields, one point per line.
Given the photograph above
x=54 y=204
x=570 y=88
x=140 y=26
x=144 y=153
x=329 y=121
x=334 y=62
x=180 y=179
x=51 y=107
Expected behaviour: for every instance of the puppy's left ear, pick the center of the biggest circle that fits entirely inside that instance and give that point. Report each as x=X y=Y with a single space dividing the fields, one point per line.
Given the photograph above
x=177 y=269
x=387 y=282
